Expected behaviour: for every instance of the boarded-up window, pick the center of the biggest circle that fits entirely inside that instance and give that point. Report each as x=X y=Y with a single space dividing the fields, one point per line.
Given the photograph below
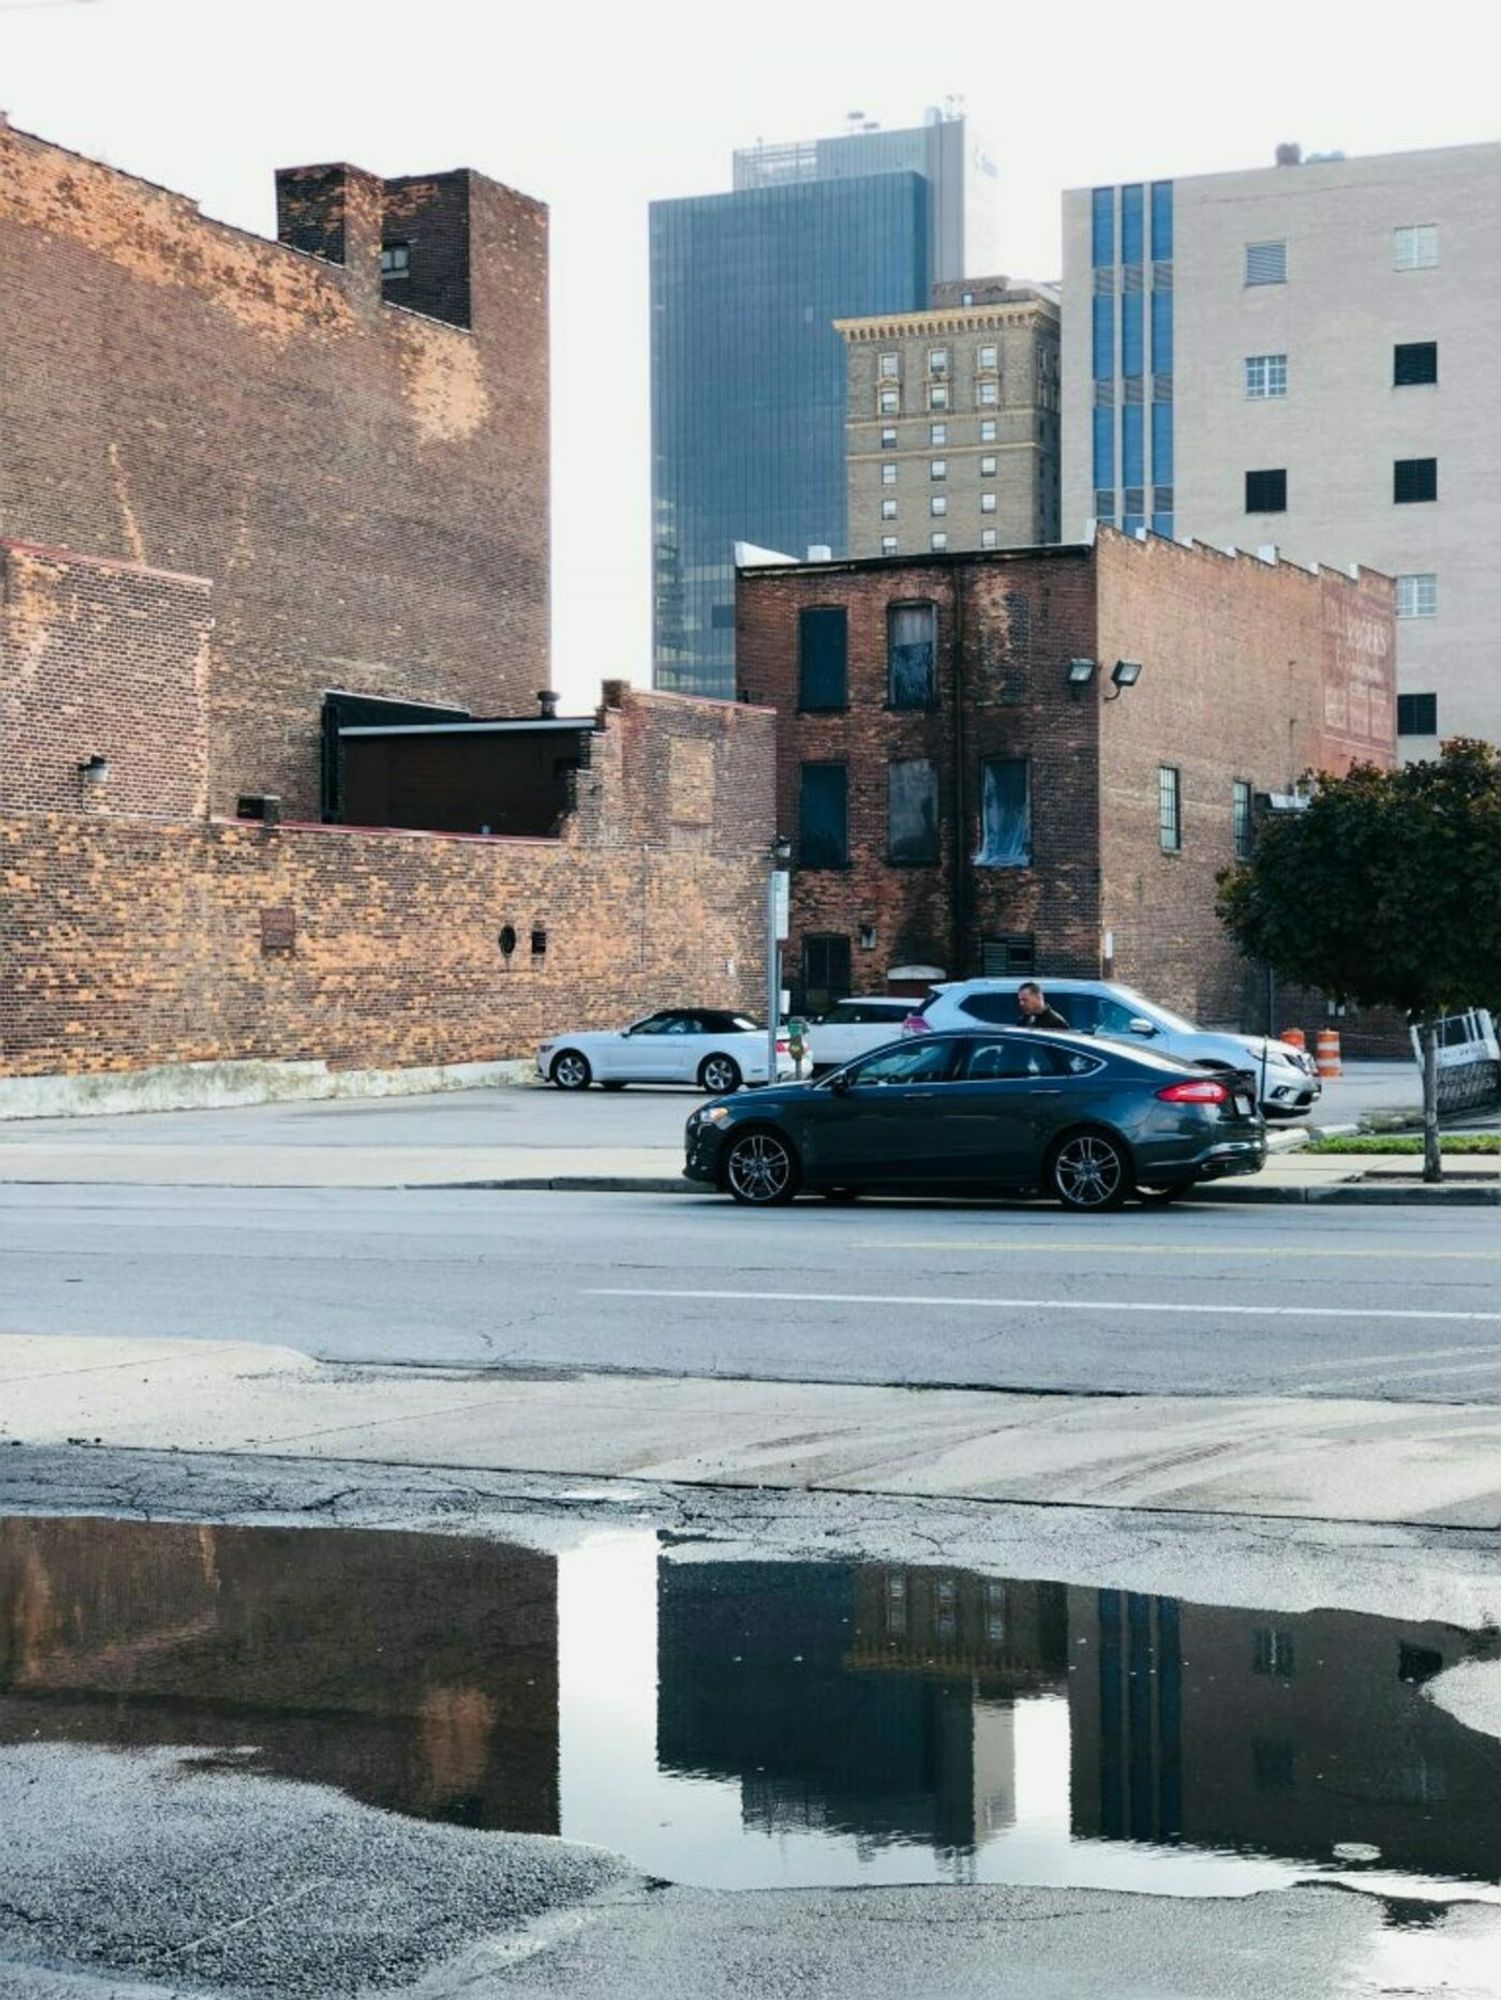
x=823 y=816
x=1005 y=814
x=826 y=971
x=912 y=810
x=911 y=655
x=821 y=635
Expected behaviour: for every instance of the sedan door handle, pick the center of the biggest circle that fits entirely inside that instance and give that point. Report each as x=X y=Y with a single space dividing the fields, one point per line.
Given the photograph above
x=913 y=1095
x=1046 y=1090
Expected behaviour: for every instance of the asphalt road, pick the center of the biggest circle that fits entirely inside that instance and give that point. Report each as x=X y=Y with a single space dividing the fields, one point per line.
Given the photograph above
x=1300 y=1301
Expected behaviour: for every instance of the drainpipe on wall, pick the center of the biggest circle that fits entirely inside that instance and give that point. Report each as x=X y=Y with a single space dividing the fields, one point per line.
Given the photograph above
x=958 y=968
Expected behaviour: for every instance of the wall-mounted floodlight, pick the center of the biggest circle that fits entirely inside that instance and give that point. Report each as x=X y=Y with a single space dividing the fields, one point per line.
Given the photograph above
x=1126 y=673
x=867 y=937
x=1080 y=673
x=94 y=770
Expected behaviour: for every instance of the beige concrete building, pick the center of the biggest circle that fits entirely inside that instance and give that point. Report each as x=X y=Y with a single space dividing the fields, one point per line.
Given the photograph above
x=952 y=424
x=1301 y=356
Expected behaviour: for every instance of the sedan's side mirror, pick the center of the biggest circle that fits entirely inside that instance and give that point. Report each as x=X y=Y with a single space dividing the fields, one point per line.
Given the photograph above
x=1138 y=1026
x=840 y=1081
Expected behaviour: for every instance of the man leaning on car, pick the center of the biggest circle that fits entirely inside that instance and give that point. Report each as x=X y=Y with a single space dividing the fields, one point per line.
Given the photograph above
x=1033 y=1009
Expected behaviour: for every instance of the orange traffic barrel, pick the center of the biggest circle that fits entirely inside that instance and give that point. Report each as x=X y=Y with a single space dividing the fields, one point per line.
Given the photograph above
x=1326 y=1059
x=1294 y=1038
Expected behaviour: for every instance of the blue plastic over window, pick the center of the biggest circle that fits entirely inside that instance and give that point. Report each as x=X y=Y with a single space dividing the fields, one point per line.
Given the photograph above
x=1131 y=335
x=1104 y=340
x=1104 y=226
x=1162 y=524
x=1162 y=220
x=1162 y=444
x=1131 y=223
x=1132 y=459
x=1104 y=451
x=1162 y=333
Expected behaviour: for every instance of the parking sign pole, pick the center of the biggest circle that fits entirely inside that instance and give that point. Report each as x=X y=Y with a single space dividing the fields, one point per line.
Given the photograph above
x=777 y=901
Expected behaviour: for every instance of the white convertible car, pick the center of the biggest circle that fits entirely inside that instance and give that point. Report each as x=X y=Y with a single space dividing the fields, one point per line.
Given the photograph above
x=707 y=1046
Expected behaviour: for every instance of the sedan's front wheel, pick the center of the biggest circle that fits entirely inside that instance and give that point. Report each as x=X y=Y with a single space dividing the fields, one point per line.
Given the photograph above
x=571 y=1071
x=719 y=1075
x=761 y=1169
x=1090 y=1171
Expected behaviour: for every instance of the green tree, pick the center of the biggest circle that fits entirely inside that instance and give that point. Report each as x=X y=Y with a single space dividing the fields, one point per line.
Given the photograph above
x=1385 y=891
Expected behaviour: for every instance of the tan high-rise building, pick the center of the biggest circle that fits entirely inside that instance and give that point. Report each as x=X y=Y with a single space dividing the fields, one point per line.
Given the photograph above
x=1300 y=356
x=952 y=422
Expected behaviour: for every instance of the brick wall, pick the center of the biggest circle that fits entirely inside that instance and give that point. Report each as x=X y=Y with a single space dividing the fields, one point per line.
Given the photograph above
x=129 y=942
x=365 y=487
x=101 y=659
x=1019 y=616
x=1250 y=670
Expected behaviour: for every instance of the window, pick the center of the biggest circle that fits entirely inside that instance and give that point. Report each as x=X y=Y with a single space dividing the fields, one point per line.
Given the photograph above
x=987 y=467
x=822 y=631
x=891 y=402
x=823 y=816
x=1414 y=362
x=1266 y=492
x=938 y=468
x=888 y=438
x=938 y=541
x=888 y=474
x=1266 y=376
x=938 y=433
x=987 y=393
x=1272 y=1652
x=1272 y=1767
x=1414 y=479
x=938 y=361
x=1014 y=1056
x=1415 y=247
x=987 y=360
x=924 y=1059
x=1417 y=595
x=888 y=510
x=912 y=811
x=939 y=504
x=396 y=260
x=988 y=539
x=826 y=971
x=987 y=503
x=1005 y=814
x=891 y=367
x=1417 y=715
x=1266 y=263
x=1169 y=809
x=938 y=396
x=911 y=655
x=888 y=545
x=1014 y=951
x=987 y=430
x=1102 y=220
x=1240 y=817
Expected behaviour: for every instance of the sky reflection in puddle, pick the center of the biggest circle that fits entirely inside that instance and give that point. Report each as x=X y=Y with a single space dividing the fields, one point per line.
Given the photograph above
x=744 y=1724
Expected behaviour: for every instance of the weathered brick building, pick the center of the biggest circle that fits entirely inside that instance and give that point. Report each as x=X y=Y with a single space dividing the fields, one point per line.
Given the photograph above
x=254 y=496
x=971 y=791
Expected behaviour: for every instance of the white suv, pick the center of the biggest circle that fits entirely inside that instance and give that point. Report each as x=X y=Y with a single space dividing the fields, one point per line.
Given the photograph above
x=855 y=1027
x=1290 y=1083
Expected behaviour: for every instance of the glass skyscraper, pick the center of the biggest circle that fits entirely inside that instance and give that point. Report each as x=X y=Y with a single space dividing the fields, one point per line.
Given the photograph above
x=748 y=374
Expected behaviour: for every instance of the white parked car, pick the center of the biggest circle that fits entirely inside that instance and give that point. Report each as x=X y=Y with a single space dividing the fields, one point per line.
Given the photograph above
x=853 y=1028
x=708 y=1046
x=1101 y=1007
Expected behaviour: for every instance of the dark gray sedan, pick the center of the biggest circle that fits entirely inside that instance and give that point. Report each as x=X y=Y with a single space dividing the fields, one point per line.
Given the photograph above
x=1007 y=1109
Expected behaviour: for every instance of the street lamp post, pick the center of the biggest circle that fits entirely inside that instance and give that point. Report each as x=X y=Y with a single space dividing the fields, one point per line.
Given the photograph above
x=777 y=898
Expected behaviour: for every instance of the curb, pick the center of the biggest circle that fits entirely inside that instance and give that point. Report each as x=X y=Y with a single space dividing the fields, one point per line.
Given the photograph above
x=1339 y=1194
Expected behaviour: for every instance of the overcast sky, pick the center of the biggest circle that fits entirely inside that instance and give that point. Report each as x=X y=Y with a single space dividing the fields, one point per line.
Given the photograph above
x=596 y=109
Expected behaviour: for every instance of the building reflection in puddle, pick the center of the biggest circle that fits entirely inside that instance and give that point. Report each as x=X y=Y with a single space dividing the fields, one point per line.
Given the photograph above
x=758 y=1723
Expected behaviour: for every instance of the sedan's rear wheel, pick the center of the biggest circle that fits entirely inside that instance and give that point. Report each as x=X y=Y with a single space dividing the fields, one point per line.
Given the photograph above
x=719 y=1075
x=1090 y=1171
x=761 y=1169
x=570 y=1070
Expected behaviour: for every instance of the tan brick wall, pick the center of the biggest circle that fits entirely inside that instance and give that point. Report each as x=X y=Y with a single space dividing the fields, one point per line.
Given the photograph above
x=365 y=487
x=129 y=943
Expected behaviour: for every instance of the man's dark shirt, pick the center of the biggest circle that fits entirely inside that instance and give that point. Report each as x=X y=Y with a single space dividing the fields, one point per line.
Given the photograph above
x=1049 y=1017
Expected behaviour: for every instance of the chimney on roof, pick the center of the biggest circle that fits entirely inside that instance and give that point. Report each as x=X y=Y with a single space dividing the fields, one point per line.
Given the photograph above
x=1289 y=154
x=547 y=701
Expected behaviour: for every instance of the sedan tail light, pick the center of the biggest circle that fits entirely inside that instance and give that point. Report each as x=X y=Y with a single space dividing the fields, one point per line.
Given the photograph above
x=1205 y=1092
x=916 y=1024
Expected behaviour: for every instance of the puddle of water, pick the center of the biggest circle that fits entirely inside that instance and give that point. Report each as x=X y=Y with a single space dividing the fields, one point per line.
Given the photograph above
x=741 y=1724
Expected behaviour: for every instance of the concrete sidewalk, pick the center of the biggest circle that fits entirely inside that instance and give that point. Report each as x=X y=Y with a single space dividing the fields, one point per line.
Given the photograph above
x=1352 y=1460
x=115 y=1159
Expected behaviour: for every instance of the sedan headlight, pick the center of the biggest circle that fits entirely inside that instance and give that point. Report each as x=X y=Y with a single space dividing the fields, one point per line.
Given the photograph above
x=715 y=1114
